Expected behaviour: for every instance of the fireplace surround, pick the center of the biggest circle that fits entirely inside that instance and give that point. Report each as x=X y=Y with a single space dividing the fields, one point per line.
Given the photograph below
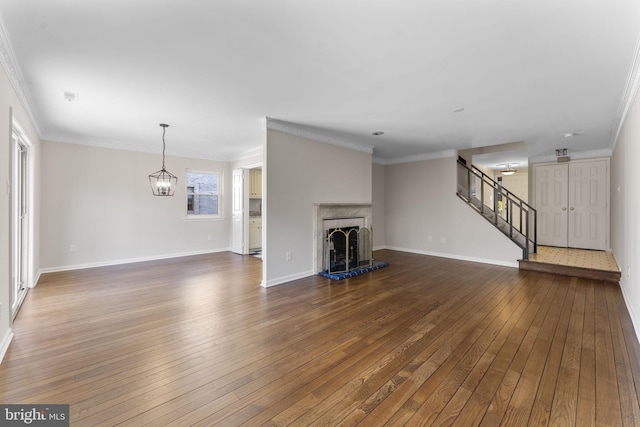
x=328 y=216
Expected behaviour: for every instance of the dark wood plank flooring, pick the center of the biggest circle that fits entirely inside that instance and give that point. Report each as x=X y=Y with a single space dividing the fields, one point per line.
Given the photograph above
x=425 y=341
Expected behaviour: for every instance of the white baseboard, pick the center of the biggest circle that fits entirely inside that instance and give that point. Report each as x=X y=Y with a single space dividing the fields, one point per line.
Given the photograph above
x=513 y=264
x=128 y=261
x=4 y=344
x=35 y=280
x=635 y=321
x=285 y=279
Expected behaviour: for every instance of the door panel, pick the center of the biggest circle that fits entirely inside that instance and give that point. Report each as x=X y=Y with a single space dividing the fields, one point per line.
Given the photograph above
x=551 y=203
x=239 y=212
x=20 y=228
x=588 y=205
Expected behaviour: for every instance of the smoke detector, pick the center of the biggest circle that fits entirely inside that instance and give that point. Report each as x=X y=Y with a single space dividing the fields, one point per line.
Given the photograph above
x=70 y=96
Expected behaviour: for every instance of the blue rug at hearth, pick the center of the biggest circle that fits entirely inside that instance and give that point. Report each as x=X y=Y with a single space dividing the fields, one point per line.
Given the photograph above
x=355 y=272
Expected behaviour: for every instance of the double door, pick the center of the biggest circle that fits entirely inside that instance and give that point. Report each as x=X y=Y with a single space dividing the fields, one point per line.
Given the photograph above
x=572 y=203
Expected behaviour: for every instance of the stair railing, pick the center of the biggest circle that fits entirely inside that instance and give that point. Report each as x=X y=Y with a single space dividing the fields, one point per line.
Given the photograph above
x=523 y=223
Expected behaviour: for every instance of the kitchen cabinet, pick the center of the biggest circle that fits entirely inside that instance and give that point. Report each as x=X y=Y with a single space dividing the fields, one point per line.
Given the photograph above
x=255 y=183
x=255 y=233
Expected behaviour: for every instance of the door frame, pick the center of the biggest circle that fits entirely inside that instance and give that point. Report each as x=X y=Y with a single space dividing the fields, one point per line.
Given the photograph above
x=22 y=216
x=533 y=195
x=240 y=211
x=245 y=209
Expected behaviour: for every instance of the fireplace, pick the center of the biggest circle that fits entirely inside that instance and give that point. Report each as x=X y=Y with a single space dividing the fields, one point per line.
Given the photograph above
x=343 y=237
x=347 y=245
x=341 y=249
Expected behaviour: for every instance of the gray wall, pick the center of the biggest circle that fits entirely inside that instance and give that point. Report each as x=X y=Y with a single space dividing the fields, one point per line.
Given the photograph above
x=424 y=215
x=625 y=205
x=299 y=172
x=100 y=200
x=378 y=200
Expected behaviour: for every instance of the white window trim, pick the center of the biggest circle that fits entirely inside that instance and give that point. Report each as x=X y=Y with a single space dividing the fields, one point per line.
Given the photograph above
x=198 y=218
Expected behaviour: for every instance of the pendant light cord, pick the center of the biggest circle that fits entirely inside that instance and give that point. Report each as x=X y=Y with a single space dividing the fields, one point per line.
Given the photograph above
x=164 y=130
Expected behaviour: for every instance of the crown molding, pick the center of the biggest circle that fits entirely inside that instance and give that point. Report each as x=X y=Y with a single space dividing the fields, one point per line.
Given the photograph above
x=150 y=148
x=628 y=96
x=127 y=146
x=309 y=133
x=590 y=154
x=11 y=67
x=263 y=122
x=417 y=157
x=256 y=151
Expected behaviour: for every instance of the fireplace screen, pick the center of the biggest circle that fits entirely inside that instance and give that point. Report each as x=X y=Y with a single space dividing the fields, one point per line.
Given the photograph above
x=347 y=248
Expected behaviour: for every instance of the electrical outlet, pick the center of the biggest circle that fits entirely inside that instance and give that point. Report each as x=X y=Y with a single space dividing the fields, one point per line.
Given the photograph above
x=72 y=247
x=443 y=240
x=628 y=271
x=288 y=256
x=208 y=236
x=429 y=239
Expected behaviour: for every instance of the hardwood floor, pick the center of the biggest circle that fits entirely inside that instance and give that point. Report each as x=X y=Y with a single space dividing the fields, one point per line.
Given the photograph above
x=425 y=341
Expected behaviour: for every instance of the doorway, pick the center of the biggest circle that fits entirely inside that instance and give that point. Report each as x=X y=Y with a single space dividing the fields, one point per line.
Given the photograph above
x=572 y=203
x=21 y=217
x=246 y=230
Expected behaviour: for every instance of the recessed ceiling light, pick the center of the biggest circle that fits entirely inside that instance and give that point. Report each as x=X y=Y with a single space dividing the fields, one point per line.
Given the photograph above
x=70 y=96
x=571 y=134
x=457 y=110
x=377 y=133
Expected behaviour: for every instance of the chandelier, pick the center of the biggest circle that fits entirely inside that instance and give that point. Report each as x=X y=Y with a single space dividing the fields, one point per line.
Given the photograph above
x=163 y=182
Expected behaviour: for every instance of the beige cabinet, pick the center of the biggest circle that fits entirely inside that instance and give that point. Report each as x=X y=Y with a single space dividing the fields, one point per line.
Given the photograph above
x=255 y=183
x=255 y=233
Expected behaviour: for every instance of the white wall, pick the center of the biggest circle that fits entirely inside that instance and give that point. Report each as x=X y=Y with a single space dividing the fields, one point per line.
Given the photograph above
x=424 y=215
x=11 y=108
x=100 y=200
x=299 y=172
x=625 y=206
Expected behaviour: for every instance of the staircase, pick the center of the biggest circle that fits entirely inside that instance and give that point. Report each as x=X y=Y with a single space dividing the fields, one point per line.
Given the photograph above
x=517 y=220
x=511 y=215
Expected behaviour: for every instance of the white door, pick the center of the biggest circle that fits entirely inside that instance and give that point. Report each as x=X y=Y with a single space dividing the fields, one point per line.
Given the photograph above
x=239 y=215
x=551 y=188
x=588 y=204
x=20 y=229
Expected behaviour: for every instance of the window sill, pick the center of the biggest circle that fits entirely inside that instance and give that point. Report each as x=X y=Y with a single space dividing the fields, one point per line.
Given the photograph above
x=200 y=218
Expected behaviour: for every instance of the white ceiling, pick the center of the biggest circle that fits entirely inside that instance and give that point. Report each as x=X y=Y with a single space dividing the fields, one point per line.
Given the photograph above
x=528 y=70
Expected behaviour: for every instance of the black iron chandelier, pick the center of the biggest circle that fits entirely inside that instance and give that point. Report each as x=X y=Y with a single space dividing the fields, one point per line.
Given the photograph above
x=163 y=182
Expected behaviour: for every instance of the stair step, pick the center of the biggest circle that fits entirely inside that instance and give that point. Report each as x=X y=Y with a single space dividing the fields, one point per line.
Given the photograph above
x=566 y=270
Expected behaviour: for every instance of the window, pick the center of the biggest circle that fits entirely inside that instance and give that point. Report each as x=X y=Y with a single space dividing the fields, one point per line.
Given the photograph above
x=203 y=194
